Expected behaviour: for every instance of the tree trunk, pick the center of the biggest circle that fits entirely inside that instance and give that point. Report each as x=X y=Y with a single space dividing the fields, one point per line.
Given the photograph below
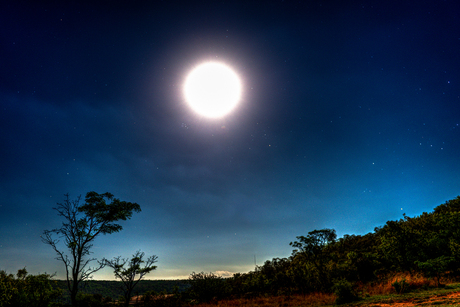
x=73 y=298
x=129 y=291
x=127 y=298
x=73 y=293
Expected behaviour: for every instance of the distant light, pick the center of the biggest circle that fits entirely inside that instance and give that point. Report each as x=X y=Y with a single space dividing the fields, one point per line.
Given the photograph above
x=212 y=89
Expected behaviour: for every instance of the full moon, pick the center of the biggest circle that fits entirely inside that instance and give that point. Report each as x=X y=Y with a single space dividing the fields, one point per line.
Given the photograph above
x=212 y=89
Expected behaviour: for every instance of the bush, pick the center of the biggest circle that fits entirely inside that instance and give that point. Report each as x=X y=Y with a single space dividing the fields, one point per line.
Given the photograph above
x=401 y=286
x=205 y=287
x=27 y=290
x=343 y=289
x=6 y=288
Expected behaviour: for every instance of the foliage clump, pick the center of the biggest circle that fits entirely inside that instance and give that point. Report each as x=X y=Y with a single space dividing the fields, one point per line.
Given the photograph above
x=343 y=290
x=207 y=286
x=27 y=290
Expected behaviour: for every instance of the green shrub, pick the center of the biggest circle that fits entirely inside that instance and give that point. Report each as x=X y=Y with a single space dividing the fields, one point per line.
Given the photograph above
x=343 y=289
x=27 y=290
x=205 y=287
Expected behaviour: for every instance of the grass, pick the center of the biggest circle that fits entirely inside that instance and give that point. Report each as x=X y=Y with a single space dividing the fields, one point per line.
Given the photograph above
x=385 y=286
x=417 y=297
x=309 y=300
x=420 y=292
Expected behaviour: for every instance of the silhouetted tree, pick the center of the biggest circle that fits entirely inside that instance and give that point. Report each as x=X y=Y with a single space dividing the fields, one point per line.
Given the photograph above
x=83 y=223
x=311 y=251
x=133 y=273
x=452 y=205
x=273 y=276
x=400 y=244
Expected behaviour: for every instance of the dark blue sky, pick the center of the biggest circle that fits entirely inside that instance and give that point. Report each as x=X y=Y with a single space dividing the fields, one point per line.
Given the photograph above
x=349 y=117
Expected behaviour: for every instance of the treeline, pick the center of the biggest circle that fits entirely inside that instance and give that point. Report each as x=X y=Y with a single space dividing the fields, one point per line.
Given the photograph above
x=428 y=244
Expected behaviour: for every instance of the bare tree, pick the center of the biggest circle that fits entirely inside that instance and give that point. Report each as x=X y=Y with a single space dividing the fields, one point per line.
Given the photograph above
x=83 y=223
x=133 y=273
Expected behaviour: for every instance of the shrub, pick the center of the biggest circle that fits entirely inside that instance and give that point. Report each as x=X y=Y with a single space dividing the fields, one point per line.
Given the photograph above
x=207 y=286
x=343 y=290
x=401 y=286
x=26 y=290
x=6 y=288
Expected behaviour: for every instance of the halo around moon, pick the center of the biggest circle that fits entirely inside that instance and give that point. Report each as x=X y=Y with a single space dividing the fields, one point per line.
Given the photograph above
x=212 y=89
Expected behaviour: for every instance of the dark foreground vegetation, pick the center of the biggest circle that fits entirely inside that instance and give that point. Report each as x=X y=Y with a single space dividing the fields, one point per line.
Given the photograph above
x=404 y=256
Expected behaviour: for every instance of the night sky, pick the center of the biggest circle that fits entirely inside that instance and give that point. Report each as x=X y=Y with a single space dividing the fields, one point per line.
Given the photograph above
x=349 y=117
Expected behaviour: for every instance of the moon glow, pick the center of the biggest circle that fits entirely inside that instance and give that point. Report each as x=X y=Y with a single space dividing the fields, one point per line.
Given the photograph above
x=212 y=89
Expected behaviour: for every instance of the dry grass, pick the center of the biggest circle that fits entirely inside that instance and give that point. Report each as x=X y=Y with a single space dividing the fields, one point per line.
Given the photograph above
x=433 y=297
x=372 y=291
x=312 y=299
x=414 y=281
